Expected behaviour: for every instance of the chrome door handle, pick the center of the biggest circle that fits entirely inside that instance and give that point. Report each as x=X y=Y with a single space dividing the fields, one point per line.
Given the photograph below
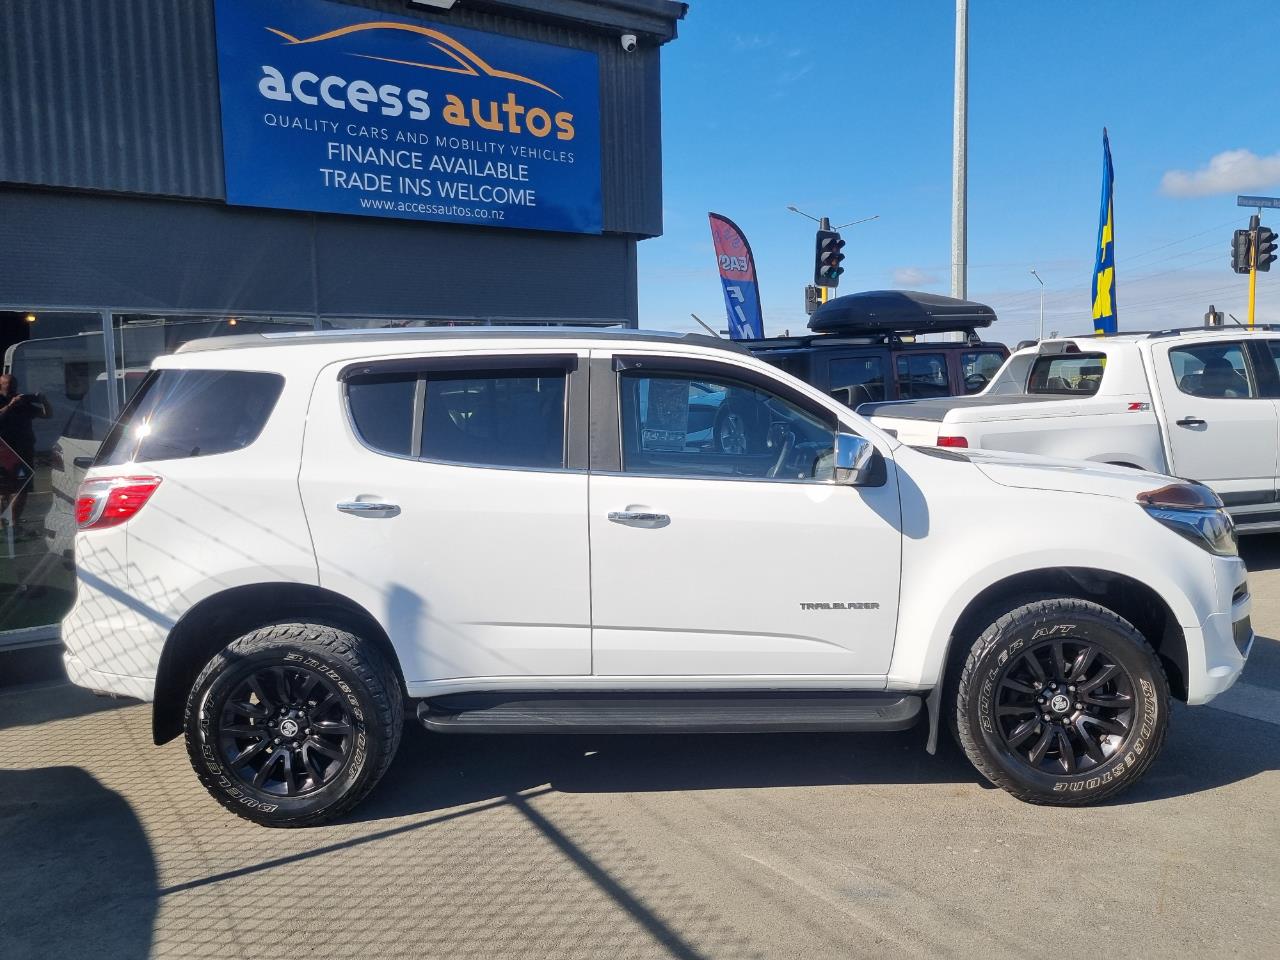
x=635 y=518
x=1190 y=422
x=369 y=508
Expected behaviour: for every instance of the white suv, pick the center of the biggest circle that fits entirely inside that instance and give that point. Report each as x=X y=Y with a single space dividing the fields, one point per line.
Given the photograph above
x=288 y=538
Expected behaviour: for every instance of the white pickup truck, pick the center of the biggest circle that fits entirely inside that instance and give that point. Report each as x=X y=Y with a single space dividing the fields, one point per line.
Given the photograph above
x=1199 y=404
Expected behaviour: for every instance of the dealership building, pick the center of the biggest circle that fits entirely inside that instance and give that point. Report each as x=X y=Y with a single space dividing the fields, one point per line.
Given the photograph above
x=178 y=169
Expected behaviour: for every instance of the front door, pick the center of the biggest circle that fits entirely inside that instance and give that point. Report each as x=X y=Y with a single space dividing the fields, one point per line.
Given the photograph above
x=1221 y=427
x=719 y=546
x=443 y=495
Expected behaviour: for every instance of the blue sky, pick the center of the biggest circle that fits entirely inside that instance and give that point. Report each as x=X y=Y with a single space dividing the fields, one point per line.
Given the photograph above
x=844 y=108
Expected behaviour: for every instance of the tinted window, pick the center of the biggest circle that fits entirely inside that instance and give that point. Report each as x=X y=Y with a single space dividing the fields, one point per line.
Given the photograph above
x=382 y=410
x=1212 y=370
x=922 y=375
x=684 y=425
x=1274 y=347
x=1070 y=374
x=979 y=367
x=863 y=377
x=795 y=364
x=495 y=419
x=192 y=413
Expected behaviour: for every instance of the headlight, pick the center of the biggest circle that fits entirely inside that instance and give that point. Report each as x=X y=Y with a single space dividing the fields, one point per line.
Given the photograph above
x=1193 y=511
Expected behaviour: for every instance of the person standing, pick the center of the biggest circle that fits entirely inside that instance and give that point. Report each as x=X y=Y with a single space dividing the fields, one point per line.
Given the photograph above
x=17 y=444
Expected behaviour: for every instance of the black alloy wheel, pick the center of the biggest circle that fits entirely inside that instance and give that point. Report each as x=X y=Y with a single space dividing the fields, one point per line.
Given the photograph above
x=1059 y=701
x=293 y=724
x=1065 y=706
x=285 y=730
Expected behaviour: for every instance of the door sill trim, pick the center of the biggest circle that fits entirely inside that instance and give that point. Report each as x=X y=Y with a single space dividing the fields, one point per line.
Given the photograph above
x=422 y=689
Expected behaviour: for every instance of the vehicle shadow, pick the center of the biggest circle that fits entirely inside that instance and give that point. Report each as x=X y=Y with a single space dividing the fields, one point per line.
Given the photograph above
x=1260 y=552
x=78 y=874
x=1194 y=758
x=436 y=771
x=19 y=708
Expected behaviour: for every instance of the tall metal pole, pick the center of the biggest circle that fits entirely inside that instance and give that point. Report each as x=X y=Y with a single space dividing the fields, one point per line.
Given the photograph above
x=960 y=159
x=1037 y=276
x=1254 y=222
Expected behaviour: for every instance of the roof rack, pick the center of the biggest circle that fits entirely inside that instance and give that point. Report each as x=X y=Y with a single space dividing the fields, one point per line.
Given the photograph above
x=891 y=338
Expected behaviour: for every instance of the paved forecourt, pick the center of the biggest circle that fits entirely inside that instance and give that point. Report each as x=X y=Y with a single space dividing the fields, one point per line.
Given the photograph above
x=750 y=846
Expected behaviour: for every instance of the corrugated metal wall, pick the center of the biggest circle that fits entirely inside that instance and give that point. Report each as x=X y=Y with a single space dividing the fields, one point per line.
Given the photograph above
x=122 y=95
x=98 y=251
x=118 y=96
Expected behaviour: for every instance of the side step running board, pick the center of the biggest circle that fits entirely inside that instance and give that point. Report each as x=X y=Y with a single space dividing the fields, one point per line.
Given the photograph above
x=667 y=712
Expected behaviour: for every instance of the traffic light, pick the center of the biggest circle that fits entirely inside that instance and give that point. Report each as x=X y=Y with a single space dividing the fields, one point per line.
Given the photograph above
x=827 y=257
x=1240 y=251
x=1265 y=252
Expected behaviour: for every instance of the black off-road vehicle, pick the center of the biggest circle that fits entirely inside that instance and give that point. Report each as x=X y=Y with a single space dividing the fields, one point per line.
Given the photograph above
x=863 y=347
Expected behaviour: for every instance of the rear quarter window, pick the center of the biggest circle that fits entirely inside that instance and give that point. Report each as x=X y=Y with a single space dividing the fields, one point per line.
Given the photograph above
x=178 y=414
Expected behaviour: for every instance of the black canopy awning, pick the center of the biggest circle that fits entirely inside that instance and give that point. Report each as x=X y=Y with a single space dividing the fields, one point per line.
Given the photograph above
x=899 y=311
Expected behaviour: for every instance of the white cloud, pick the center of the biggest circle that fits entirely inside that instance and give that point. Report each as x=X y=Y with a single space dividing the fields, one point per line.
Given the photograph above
x=1227 y=172
x=913 y=277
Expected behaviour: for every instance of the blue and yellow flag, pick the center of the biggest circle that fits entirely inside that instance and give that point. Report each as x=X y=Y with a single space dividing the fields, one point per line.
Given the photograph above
x=1104 y=268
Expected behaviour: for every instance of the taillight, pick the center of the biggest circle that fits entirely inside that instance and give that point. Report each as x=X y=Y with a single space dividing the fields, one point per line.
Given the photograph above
x=109 y=501
x=952 y=442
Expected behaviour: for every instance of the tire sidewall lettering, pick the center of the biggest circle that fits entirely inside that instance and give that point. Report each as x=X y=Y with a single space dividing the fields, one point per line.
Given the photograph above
x=982 y=719
x=263 y=803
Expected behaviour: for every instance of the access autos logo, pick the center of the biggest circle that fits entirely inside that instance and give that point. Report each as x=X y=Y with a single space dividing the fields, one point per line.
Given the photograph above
x=431 y=50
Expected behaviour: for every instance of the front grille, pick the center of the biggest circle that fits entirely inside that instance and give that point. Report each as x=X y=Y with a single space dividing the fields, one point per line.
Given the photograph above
x=1242 y=591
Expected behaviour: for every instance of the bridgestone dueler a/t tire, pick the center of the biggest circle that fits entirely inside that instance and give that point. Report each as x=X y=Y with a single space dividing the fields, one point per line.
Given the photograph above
x=360 y=674
x=974 y=697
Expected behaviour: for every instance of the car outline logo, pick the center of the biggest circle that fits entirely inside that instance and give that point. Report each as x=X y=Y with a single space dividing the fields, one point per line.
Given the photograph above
x=469 y=63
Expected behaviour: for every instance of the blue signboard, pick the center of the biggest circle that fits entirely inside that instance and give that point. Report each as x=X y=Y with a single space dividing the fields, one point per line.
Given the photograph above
x=342 y=109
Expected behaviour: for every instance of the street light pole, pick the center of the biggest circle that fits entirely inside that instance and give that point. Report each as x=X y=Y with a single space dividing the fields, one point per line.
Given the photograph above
x=1037 y=276
x=960 y=159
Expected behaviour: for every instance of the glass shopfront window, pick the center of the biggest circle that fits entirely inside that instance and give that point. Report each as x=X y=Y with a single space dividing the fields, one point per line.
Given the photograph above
x=69 y=375
x=61 y=391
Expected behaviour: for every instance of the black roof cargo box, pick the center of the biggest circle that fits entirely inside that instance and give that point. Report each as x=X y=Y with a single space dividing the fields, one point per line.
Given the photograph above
x=898 y=311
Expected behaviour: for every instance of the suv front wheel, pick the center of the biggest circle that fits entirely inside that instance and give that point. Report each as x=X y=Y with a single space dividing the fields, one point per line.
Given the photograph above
x=294 y=723
x=1061 y=702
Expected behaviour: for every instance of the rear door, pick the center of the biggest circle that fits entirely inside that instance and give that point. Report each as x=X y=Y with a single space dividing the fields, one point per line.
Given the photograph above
x=922 y=376
x=857 y=378
x=977 y=368
x=726 y=552
x=448 y=496
x=1221 y=429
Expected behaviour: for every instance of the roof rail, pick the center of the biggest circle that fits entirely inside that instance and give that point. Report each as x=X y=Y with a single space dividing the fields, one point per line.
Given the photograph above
x=476 y=332
x=1174 y=331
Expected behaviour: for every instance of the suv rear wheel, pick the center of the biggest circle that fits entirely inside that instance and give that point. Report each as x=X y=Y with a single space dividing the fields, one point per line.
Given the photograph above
x=294 y=723
x=1061 y=702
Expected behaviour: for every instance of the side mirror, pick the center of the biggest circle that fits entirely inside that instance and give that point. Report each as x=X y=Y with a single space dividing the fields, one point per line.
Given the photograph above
x=856 y=461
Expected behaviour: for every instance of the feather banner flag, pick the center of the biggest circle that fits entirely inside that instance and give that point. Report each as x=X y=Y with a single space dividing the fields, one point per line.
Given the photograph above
x=1104 y=268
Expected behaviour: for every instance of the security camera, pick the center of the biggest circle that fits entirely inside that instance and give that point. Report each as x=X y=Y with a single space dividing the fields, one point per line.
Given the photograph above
x=629 y=42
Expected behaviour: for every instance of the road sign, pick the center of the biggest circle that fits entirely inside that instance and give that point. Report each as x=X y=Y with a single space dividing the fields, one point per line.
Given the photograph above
x=1258 y=202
